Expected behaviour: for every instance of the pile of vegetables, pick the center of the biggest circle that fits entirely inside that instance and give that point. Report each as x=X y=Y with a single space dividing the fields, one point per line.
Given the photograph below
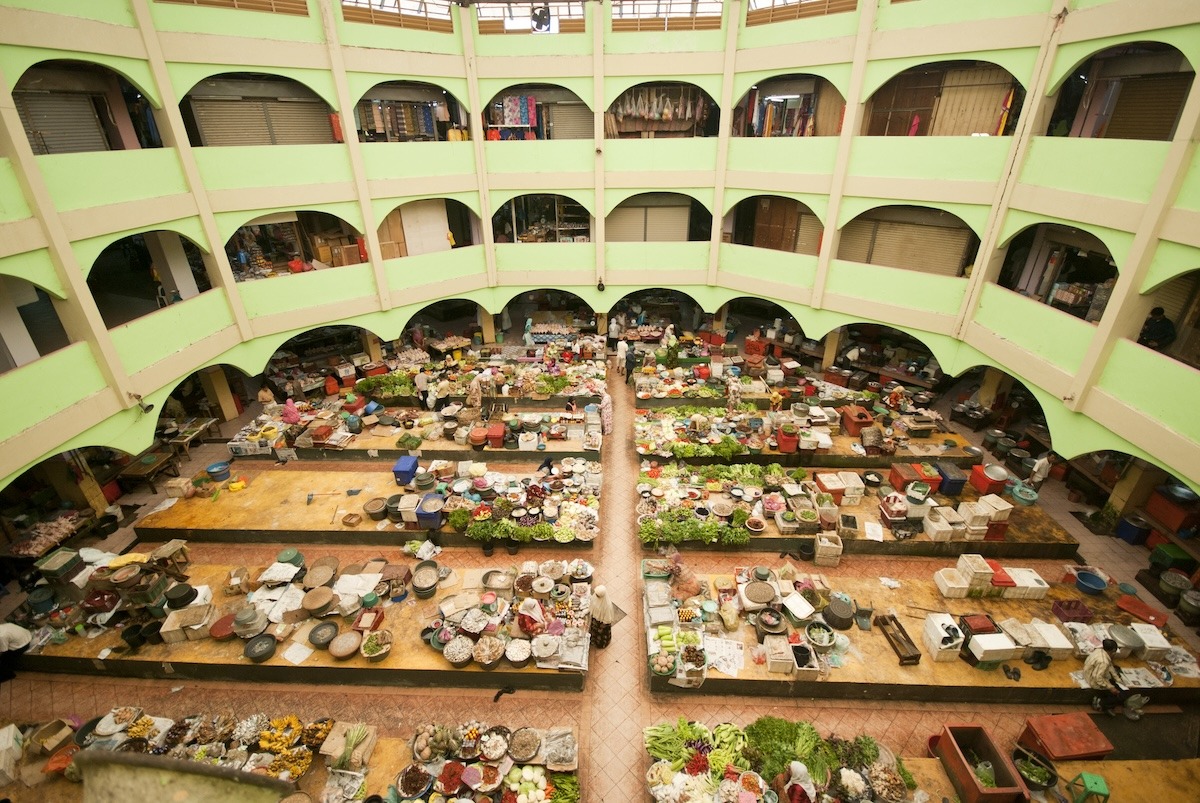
x=695 y=763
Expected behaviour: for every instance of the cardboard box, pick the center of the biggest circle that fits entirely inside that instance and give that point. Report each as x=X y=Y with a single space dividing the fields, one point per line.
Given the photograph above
x=779 y=655
x=12 y=744
x=335 y=743
x=188 y=624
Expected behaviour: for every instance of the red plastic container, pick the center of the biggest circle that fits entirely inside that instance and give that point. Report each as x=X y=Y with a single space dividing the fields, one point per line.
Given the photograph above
x=787 y=443
x=855 y=419
x=985 y=485
x=1172 y=514
x=701 y=371
x=496 y=436
x=933 y=478
x=996 y=531
x=903 y=475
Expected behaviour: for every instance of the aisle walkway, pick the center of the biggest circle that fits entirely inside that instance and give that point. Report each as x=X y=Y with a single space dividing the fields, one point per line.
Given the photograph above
x=616 y=703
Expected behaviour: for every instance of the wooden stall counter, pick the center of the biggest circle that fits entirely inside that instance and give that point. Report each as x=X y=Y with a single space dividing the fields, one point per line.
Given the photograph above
x=411 y=662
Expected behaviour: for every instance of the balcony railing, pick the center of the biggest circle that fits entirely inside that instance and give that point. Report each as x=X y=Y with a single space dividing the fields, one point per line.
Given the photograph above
x=298 y=8
x=433 y=15
x=666 y=15
x=764 y=12
x=516 y=18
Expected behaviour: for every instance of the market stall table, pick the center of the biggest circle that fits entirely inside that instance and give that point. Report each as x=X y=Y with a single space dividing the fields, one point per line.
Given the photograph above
x=189 y=432
x=410 y=662
x=873 y=670
x=146 y=467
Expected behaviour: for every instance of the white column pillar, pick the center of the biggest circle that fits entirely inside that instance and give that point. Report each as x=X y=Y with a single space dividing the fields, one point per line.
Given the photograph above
x=166 y=252
x=18 y=344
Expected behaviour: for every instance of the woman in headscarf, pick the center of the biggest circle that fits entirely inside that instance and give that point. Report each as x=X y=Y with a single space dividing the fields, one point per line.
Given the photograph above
x=475 y=392
x=602 y=614
x=606 y=412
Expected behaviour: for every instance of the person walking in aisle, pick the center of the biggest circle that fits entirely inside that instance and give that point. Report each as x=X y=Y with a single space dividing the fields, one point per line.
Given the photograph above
x=421 y=381
x=606 y=412
x=622 y=356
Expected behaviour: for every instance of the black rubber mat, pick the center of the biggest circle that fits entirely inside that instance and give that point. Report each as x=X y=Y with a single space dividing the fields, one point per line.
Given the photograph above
x=1154 y=736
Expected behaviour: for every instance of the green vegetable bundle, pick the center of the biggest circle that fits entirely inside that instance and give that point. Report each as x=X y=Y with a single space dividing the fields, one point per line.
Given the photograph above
x=566 y=787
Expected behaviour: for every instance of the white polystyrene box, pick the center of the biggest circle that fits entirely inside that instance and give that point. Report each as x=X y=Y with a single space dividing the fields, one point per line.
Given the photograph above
x=993 y=647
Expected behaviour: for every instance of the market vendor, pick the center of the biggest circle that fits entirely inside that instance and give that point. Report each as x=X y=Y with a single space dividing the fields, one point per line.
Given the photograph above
x=266 y=395
x=614 y=332
x=896 y=397
x=1104 y=677
x=733 y=393
x=14 y=640
x=475 y=391
x=440 y=396
x=606 y=412
x=290 y=414
x=630 y=363
x=776 y=401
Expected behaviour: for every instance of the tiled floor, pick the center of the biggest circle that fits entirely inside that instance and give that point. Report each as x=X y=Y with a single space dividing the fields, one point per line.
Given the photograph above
x=616 y=704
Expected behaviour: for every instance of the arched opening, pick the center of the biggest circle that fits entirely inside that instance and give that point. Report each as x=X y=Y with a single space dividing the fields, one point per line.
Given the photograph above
x=256 y=109
x=799 y=105
x=203 y=400
x=143 y=272
x=29 y=324
x=410 y=111
x=423 y=227
x=547 y=315
x=758 y=326
x=293 y=242
x=1069 y=269
x=658 y=217
x=445 y=327
x=985 y=397
x=311 y=365
x=1134 y=499
x=855 y=355
x=1134 y=90
x=916 y=238
x=771 y=221
x=946 y=99
x=662 y=109
x=542 y=219
x=537 y=111
x=644 y=315
x=1179 y=300
x=75 y=106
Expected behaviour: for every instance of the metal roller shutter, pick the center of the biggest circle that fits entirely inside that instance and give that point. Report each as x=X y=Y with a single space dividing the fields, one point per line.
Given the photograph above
x=626 y=224
x=299 y=122
x=231 y=122
x=1148 y=107
x=61 y=122
x=972 y=102
x=855 y=242
x=571 y=121
x=667 y=224
x=928 y=249
x=808 y=238
x=1174 y=296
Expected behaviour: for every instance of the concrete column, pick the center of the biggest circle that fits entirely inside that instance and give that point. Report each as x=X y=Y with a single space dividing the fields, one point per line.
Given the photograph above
x=174 y=271
x=216 y=387
x=1134 y=488
x=487 y=323
x=994 y=383
x=833 y=342
x=19 y=347
x=373 y=346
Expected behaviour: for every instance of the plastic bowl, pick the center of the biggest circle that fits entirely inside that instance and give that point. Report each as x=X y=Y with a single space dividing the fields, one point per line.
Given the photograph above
x=218 y=472
x=1020 y=753
x=1090 y=583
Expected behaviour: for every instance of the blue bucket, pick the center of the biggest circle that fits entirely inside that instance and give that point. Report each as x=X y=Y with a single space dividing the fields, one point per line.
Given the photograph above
x=219 y=472
x=372 y=408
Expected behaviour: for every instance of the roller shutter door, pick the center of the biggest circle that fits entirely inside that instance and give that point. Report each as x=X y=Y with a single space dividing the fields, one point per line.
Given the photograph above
x=1148 y=107
x=855 y=242
x=231 y=122
x=1174 y=296
x=298 y=122
x=667 y=224
x=928 y=249
x=808 y=239
x=626 y=224
x=572 y=121
x=61 y=122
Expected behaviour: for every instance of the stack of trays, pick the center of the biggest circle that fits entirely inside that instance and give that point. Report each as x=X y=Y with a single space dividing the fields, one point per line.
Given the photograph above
x=951 y=583
x=975 y=570
x=249 y=622
x=1028 y=585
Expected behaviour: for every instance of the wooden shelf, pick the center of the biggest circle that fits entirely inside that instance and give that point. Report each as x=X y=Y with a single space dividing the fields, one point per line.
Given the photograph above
x=1188 y=545
x=1090 y=476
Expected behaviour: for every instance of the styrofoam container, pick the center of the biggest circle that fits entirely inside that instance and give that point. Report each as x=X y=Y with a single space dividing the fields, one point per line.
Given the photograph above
x=975 y=570
x=994 y=647
x=408 y=507
x=954 y=520
x=1053 y=640
x=974 y=514
x=1000 y=508
x=951 y=583
x=933 y=634
x=936 y=527
x=975 y=533
x=1155 y=645
x=1029 y=584
x=779 y=655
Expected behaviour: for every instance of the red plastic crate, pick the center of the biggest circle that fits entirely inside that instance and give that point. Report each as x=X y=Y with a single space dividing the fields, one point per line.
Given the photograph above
x=902 y=475
x=933 y=478
x=981 y=482
x=996 y=531
x=999 y=576
x=1072 y=610
x=1155 y=539
x=1171 y=514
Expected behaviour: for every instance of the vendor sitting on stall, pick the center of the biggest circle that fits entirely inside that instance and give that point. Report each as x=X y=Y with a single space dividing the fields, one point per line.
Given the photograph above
x=776 y=399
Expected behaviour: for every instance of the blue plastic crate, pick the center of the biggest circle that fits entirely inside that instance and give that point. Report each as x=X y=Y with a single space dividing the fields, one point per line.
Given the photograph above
x=405 y=470
x=954 y=479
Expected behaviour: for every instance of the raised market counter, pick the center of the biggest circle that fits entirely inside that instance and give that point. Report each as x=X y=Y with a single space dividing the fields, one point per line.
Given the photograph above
x=864 y=664
x=313 y=506
x=412 y=660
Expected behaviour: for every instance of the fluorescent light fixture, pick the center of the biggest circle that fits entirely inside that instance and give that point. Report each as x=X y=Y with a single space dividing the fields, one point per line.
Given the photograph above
x=782 y=97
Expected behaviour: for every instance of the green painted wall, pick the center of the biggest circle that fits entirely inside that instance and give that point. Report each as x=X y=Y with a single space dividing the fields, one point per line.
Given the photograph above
x=764 y=263
x=384 y=160
x=928 y=13
x=157 y=336
x=15 y=60
x=360 y=83
x=541 y=156
x=1118 y=242
x=82 y=180
x=1018 y=61
x=649 y=155
x=12 y=200
x=237 y=167
x=795 y=32
x=48 y=379
x=896 y=286
x=440 y=266
x=655 y=256
x=817 y=204
x=185 y=76
x=259 y=25
x=1072 y=54
x=940 y=158
x=1154 y=385
x=1131 y=167
x=383 y=205
x=614 y=197
x=1170 y=260
x=313 y=289
x=546 y=257
x=773 y=155
x=387 y=37
x=1189 y=191
x=1054 y=336
x=87 y=250
x=114 y=12
x=35 y=267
